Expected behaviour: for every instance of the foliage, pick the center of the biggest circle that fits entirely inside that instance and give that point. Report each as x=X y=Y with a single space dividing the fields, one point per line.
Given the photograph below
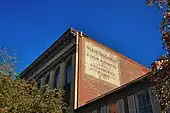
x=161 y=79
x=161 y=67
x=160 y=3
x=17 y=96
x=8 y=61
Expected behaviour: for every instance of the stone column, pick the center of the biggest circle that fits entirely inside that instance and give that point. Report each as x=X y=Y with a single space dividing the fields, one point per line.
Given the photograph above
x=42 y=83
x=62 y=74
x=72 y=83
x=51 y=82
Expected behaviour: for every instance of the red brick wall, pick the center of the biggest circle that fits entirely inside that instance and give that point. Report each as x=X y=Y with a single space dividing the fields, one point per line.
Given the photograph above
x=130 y=71
x=90 y=87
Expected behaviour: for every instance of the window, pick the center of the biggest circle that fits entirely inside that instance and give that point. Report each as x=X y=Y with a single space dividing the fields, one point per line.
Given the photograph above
x=47 y=79
x=144 y=103
x=114 y=108
x=95 y=111
x=69 y=72
x=168 y=110
x=104 y=109
x=57 y=78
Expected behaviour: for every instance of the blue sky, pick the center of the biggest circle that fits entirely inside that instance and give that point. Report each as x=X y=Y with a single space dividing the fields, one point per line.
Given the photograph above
x=127 y=26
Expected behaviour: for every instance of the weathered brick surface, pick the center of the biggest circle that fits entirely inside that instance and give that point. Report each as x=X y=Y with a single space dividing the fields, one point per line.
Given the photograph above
x=90 y=87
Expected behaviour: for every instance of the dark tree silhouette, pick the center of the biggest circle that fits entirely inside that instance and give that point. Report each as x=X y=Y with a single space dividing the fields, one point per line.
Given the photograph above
x=161 y=67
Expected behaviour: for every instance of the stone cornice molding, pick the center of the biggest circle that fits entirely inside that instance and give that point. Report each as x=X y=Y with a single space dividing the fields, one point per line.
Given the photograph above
x=55 y=48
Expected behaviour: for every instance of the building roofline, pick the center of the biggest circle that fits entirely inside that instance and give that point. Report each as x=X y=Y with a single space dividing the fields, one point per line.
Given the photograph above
x=44 y=53
x=121 y=55
x=73 y=31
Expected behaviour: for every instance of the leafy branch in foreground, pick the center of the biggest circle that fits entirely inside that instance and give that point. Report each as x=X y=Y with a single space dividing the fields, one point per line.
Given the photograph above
x=18 y=96
x=8 y=61
x=161 y=67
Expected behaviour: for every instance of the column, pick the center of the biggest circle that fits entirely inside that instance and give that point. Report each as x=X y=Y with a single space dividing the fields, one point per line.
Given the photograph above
x=51 y=82
x=72 y=83
x=42 y=83
x=62 y=74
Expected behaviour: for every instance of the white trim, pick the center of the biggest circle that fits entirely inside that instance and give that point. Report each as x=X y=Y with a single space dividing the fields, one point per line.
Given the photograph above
x=76 y=71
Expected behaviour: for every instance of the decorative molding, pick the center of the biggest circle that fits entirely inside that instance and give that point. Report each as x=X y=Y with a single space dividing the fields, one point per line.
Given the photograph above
x=51 y=63
x=55 y=48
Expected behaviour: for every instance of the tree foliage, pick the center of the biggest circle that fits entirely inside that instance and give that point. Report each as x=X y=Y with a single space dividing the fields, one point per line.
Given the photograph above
x=19 y=96
x=8 y=61
x=161 y=67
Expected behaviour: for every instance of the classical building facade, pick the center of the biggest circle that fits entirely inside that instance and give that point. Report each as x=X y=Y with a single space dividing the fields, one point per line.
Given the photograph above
x=85 y=68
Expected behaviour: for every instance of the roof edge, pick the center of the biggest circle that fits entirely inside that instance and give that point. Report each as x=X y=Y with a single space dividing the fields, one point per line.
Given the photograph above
x=144 y=77
x=44 y=53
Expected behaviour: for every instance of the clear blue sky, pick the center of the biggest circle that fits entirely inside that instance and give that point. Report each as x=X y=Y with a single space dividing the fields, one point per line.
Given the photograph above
x=127 y=26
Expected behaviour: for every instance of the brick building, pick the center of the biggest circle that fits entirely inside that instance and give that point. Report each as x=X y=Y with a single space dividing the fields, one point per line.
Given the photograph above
x=137 y=96
x=85 y=68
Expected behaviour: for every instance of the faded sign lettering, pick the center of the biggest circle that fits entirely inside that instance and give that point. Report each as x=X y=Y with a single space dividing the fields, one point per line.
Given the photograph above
x=101 y=64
